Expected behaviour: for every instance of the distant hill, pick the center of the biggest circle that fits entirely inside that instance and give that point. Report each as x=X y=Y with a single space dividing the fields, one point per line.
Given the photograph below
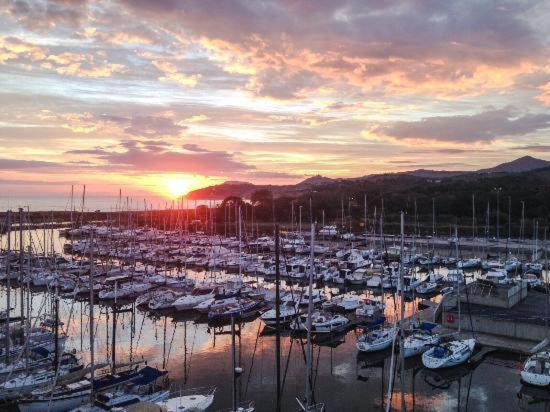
x=434 y=174
x=315 y=180
x=399 y=180
x=523 y=164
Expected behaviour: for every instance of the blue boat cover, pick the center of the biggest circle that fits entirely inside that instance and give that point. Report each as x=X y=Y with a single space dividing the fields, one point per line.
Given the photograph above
x=428 y=326
x=41 y=351
x=439 y=352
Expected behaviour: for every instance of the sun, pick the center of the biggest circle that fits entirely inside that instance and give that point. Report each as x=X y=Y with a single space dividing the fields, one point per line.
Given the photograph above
x=177 y=186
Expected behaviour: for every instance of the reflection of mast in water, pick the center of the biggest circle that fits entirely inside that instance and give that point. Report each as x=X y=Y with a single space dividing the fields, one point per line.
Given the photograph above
x=164 y=344
x=185 y=367
x=443 y=379
x=371 y=362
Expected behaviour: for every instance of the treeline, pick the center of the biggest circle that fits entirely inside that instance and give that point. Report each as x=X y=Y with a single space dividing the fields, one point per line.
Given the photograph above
x=497 y=202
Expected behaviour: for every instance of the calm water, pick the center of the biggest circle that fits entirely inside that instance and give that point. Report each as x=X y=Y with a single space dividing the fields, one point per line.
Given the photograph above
x=103 y=203
x=197 y=355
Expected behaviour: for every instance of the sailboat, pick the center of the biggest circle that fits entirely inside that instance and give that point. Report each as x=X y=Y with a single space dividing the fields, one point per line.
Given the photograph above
x=377 y=339
x=449 y=354
x=455 y=352
x=536 y=369
x=419 y=341
x=197 y=399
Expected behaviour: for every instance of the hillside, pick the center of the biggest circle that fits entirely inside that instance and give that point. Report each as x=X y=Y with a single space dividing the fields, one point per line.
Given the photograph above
x=322 y=183
x=523 y=164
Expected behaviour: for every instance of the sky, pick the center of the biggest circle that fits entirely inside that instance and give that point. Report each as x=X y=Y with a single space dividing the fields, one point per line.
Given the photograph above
x=160 y=97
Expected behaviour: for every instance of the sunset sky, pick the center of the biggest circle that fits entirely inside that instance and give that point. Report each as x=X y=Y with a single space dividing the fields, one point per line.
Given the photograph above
x=158 y=97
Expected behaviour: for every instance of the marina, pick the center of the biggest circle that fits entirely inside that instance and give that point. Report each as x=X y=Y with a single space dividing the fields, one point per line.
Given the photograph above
x=181 y=301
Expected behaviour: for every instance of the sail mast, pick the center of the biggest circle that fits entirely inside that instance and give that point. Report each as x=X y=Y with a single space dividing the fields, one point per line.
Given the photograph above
x=8 y=289
x=278 y=316
x=309 y=353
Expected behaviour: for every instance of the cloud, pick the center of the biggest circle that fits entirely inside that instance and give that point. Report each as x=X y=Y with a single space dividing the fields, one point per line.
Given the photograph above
x=12 y=48
x=159 y=158
x=445 y=48
x=17 y=164
x=19 y=182
x=46 y=14
x=482 y=127
x=172 y=74
x=534 y=148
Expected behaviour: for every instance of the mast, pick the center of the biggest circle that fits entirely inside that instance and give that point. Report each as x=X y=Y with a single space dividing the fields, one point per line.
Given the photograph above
x=458 y=284
x=72 y=203
x=277 y=316
x=498 y=213
x=473 y=216
x=309 y=353
x=234 y=365
x=342 y=210
x=56 y=336
x=402 y=315
x=28 y=317
x=240 y=247
x=433 y=226
x=8 y=289
x=91 y=286
x=509 y=217
x=22 y=291
x=365 y=216
x=522 y=226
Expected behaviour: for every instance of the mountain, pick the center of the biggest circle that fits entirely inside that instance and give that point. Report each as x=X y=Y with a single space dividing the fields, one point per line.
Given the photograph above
x=315 y=181
x=523 y=164
x=398 y=181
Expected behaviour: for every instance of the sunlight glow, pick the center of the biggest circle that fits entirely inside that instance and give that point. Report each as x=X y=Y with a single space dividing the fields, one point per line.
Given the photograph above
x=177 y=186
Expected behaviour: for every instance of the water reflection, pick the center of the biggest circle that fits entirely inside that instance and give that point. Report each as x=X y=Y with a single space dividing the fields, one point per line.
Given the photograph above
x=198 y=354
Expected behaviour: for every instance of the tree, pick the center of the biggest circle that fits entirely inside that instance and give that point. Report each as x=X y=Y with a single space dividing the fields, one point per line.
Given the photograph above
x=232 y=201
x=261 y=198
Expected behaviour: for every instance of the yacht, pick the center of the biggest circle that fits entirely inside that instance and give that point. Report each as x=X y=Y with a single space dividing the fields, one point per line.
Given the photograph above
x=536 y=370
x=448 y=354
x=418 y=342
x=426 y=288
x=198 y=399
x=377 y=339
x=199 y=294
x=287 y=312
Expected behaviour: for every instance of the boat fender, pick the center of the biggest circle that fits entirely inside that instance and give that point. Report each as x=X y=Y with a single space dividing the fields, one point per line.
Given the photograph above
x=450 y=318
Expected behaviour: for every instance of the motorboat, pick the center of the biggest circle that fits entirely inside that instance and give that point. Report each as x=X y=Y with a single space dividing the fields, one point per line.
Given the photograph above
x=349 y=302
x=358 y=277
x=370 y=308
x=498 y=277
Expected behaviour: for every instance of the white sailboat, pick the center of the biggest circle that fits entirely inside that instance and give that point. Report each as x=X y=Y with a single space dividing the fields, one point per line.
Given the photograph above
x=536 y=369
x=376 y=340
